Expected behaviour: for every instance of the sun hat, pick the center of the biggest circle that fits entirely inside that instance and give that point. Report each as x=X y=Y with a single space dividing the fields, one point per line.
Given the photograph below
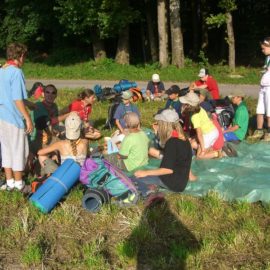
x=174 y=89
x=203 y=72
x=155 y=78
x=237 y=93
x=73 y=126
x=167 y=115
x=190 y=98
x=127 y=95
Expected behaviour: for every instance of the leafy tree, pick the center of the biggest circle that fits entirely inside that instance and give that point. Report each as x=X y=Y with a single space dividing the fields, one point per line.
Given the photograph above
x=25 y=21
x=94 y=20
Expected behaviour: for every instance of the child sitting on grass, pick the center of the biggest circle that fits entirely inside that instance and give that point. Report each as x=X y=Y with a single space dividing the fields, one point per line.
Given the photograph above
x=74 y=147
x=125 y=107
x=133 y=151
x=174 y=170
x=83 y=105
x=206 y=132
x=173 y=101
x=238 y=130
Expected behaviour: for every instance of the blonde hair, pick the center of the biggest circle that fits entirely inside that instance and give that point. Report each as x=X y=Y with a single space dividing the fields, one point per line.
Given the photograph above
x=165 y=130
x=132 y=120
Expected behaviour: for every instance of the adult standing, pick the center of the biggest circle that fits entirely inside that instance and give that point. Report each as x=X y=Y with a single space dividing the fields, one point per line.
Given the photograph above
x=263 y=106
x=206 y=81
x=15 y=122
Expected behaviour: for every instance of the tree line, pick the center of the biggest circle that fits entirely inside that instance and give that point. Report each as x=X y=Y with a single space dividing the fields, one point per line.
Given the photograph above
x=140 y=31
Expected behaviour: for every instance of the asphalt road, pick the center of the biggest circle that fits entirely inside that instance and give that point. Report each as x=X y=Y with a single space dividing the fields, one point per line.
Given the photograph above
x=225 y=89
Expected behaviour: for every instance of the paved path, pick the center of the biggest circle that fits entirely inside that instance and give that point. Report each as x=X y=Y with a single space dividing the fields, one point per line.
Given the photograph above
x=225 y=89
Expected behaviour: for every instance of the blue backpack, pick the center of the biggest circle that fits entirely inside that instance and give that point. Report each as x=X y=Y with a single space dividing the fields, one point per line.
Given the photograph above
x=97 y=173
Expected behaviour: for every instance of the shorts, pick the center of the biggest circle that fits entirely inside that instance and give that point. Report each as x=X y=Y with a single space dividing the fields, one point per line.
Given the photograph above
x=14 y=146
x=210 y=138
x=263 y=106
x=230 y=137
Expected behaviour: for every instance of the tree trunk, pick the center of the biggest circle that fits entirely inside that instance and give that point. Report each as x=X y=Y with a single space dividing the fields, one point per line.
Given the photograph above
x=99 y=49
x=122 y=52
x=151 y=33
x=195 y=34
x=204 y=12
x=176 y=34
x=231 y=41
x=162 y=33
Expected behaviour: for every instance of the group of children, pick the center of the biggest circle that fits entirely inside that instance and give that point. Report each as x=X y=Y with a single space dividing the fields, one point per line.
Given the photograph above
x=185 y=127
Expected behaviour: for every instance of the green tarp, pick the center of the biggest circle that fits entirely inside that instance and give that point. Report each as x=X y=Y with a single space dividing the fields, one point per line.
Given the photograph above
x=246 y=177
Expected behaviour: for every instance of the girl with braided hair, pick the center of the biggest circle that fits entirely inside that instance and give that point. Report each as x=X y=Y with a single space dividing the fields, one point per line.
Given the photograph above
x=74 y=147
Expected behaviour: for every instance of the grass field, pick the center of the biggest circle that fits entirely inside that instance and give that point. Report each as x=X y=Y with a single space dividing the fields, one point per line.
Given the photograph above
x=182 y=233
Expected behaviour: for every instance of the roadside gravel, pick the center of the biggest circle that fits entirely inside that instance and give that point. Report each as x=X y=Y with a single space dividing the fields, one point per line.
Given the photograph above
x=225 y=89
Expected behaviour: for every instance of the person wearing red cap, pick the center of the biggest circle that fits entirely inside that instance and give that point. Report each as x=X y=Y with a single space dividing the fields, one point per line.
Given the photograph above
x=206 y=82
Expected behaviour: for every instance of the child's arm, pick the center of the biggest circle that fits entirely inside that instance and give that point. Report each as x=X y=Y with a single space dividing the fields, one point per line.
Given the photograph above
x=154 y=172
x=64 y=110
x=231 y=129
x=57 y=119
x=29 y=125
x=49 y=149
x=30 y=105
x=117 y=123
x=200 y=139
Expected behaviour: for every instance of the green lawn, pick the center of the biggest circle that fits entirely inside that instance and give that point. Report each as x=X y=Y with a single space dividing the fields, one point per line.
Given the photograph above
x=182 y=233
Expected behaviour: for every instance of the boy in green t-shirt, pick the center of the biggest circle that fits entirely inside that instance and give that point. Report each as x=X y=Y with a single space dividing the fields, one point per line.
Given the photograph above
x=237 y=131
x=134 y=148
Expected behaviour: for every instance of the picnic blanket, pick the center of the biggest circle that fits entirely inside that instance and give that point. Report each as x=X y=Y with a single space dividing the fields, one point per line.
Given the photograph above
x=246 y=177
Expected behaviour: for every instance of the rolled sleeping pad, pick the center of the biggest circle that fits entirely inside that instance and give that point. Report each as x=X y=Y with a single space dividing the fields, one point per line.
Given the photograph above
x=93 y=199
x=120 y=87
x=56 y=186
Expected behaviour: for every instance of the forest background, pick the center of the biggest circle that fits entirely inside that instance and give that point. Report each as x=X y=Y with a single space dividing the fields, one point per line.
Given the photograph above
x=138 y=32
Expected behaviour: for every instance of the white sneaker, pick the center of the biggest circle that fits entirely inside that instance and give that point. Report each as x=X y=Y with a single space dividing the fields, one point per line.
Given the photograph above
x=19 y=186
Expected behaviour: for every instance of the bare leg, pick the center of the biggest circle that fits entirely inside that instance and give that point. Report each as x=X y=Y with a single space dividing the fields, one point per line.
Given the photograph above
x=260 y=118
x=192 y=177
x=268 y=122
x=8 y=173
x=18 y=176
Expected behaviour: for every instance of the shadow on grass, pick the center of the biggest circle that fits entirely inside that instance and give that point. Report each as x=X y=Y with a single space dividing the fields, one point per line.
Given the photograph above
x=161 y=241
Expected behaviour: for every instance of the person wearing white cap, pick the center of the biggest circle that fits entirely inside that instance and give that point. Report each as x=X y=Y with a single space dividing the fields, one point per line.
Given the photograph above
x=174 y=170
x=206 y=132
x=206 y=81
x=155 y=89
x=74 y=147
x=124 y=107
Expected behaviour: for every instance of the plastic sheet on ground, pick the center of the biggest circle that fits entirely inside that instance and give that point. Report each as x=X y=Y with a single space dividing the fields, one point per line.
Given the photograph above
x=246 y=177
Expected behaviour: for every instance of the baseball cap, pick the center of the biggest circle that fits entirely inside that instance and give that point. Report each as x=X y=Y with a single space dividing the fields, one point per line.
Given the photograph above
x=73 y=126
x=203 y=72
x=190 y=98
x=174 y=89
x=155 y=78
x=167 y=115
x=127 y=95
x=237 y=93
